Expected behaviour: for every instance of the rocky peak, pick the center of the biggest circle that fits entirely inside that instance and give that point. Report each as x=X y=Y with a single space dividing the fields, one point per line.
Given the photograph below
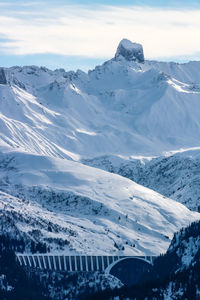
x=130 y=51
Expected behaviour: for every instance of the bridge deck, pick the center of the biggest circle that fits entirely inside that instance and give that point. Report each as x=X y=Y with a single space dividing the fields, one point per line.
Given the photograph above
x=73 y=263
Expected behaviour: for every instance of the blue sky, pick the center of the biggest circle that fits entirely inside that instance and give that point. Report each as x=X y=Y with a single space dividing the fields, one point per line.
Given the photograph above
x=153 y=3
x=81 y=34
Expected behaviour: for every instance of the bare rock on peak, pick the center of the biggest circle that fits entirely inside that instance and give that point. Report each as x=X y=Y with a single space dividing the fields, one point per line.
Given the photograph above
x=130 y=51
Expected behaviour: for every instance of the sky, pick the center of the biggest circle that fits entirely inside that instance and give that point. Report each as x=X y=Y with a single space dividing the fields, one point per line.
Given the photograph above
x=81 y=34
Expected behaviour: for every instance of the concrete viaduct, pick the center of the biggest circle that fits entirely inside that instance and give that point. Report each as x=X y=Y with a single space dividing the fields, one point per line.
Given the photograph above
x=126 y=268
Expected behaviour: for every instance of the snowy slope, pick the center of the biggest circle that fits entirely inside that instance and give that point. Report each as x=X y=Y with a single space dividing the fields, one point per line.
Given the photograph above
x=174 y=174
x=93 y=211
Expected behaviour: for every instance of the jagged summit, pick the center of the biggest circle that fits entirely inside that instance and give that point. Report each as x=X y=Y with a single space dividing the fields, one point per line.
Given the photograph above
x=130 y=51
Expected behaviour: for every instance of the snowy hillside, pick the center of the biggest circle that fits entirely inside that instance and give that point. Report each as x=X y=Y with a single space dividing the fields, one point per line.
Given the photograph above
x=89 y=210
x=174 y=174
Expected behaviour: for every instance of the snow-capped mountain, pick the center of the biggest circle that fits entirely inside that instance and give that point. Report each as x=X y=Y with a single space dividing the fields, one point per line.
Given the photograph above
x=53 y=123
x=126 y=106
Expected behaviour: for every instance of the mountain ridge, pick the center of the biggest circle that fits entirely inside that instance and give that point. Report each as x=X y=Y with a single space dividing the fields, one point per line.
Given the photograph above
x=141 y=108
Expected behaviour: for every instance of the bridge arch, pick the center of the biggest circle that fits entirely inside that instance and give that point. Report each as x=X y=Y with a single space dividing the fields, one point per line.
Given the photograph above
x=129 y=269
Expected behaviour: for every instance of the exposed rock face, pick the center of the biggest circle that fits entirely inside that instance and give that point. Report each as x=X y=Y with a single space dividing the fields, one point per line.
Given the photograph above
x=130 y=51
x=2 y=76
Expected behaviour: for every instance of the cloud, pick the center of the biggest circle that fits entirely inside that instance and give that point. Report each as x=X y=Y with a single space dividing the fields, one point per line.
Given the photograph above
x=95 y=31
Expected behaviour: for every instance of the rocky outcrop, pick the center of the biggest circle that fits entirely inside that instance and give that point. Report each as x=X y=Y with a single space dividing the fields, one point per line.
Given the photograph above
x=130 y=51
x=2 y=76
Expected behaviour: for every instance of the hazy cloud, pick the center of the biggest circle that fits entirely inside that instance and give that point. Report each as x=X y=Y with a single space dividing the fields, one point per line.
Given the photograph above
x=96 y=31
